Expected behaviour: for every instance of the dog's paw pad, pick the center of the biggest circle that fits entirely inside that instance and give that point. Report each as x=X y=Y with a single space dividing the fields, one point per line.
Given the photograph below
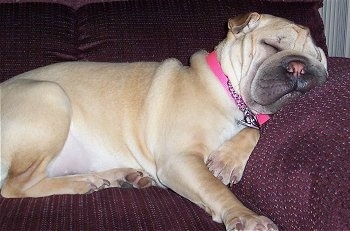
x=136 y=180
x=145 y=182
x=124 y=184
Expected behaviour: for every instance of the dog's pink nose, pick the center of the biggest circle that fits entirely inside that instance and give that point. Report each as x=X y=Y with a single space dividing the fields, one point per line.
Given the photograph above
x=296 y=68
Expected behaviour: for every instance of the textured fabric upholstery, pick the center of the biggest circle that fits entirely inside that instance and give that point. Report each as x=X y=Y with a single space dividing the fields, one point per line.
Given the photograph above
x=298 y=175
x=127 y=30
x=300 y=170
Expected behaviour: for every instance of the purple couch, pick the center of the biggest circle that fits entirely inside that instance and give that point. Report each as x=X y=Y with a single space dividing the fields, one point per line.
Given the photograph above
x=299 y=173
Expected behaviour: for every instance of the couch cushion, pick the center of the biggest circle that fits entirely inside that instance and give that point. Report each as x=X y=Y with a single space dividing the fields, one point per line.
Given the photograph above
x=111 y=209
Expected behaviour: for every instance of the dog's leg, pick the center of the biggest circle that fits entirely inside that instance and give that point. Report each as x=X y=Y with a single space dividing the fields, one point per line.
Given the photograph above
x=35 y=122
x=228 y=163
x=75 y=184
x=187 y=174
x=24 y=185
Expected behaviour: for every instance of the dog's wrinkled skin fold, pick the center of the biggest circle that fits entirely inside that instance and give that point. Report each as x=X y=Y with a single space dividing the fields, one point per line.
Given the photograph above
x=78 y=127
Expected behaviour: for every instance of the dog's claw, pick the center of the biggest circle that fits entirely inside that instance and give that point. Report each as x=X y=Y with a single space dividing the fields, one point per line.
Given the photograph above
x=140 y=173
x=233 y=179
x=209 y=162
x=106 y=182
x=238 y=227
x=92 y=189
x=272 y=227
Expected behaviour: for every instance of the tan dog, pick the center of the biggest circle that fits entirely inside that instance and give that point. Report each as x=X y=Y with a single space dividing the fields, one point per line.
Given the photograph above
x=78 y=127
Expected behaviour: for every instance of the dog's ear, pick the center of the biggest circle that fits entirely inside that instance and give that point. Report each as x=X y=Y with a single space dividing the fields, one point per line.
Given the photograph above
x=240 y=22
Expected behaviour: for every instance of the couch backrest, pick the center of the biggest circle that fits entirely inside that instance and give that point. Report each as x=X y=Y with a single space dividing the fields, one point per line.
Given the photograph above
x=37 y=34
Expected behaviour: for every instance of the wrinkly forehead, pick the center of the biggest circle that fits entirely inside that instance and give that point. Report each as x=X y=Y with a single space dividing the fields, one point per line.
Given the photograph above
x=271 y=23
x=283 y=34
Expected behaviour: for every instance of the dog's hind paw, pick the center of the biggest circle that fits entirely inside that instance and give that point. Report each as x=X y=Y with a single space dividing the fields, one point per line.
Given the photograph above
x=89 y=183
x=95 y=188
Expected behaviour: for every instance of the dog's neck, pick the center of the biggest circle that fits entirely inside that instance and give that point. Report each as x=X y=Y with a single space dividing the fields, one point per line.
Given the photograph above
x=250 y=119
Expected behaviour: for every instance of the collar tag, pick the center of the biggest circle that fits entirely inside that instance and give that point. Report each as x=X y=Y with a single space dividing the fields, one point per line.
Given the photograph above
x=249 y=119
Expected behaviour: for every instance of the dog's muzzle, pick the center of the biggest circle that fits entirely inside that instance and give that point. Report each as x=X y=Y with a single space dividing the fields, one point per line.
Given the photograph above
x=284 y=76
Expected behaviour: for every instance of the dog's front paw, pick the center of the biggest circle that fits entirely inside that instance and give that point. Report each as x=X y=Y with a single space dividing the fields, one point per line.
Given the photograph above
x=226 y=168
x=228 y=163
x=251 y=222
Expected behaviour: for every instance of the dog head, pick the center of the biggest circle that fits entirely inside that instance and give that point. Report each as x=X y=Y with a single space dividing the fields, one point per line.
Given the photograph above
x=270 y=60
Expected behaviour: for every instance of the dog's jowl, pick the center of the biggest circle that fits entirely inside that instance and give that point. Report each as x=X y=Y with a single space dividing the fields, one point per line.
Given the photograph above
x=79 y=127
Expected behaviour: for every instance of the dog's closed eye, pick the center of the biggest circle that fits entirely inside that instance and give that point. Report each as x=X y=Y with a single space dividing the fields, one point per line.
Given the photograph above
x=278 y=43
x=270 y=44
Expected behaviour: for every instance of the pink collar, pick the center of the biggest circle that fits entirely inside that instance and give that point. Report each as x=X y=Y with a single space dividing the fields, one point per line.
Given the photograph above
x=250 y=119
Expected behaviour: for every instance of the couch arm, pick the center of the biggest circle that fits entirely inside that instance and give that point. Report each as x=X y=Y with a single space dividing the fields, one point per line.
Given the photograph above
x=299 y=173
